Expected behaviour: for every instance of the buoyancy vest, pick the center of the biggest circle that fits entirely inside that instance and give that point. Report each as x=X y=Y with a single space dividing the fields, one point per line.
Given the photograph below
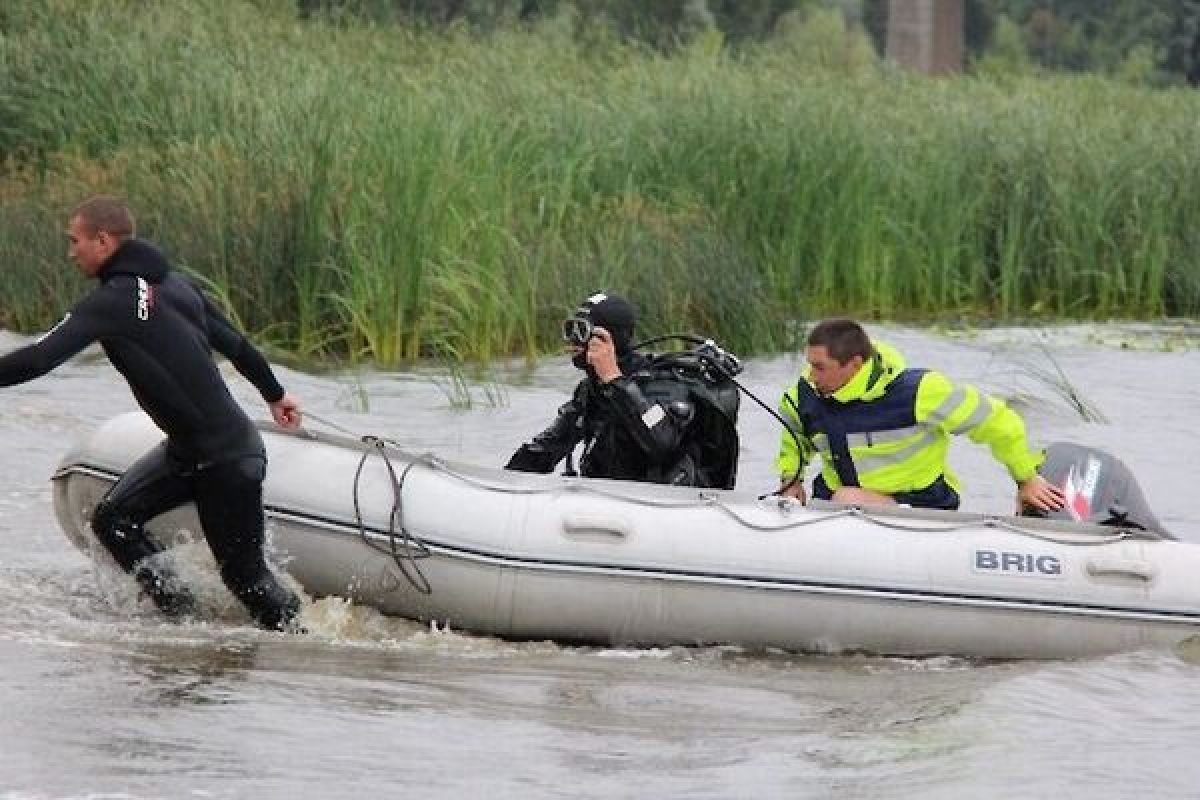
x=711 y=446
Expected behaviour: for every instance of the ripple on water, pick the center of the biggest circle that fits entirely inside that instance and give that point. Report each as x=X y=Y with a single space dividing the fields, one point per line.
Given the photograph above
x=367 y=704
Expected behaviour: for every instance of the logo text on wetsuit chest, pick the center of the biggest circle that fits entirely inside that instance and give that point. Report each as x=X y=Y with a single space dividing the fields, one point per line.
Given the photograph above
x=1016 y=563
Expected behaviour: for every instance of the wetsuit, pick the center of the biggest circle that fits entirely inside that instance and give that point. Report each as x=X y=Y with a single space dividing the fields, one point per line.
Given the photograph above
x=638 y=427
x=159 y=331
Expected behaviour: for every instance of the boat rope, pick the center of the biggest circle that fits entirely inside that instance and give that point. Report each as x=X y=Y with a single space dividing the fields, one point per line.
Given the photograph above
x=403 y=546
x=1118 y=534
x=414 y=548
x=328 y=423
x=707 y=500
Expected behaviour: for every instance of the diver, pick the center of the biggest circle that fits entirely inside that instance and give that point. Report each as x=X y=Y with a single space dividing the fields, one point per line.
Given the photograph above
x=668 y=418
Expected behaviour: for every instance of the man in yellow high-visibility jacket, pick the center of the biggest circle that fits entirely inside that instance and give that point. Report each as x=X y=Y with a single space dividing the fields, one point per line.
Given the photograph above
x=883 y=430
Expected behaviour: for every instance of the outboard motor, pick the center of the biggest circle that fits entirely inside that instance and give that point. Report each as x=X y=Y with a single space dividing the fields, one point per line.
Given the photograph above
x=1099 y=488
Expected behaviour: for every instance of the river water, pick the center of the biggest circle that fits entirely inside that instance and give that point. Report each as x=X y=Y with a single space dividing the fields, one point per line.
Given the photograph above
x=104 y=699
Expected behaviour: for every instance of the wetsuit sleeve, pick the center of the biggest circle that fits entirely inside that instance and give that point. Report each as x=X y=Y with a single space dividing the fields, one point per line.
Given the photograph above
x=657 y=425
x=245 y=357
x=551 y=446
x=79 y=328
x=962 y=409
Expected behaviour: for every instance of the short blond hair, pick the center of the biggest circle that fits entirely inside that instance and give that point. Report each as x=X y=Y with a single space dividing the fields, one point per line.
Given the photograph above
x=105 y=213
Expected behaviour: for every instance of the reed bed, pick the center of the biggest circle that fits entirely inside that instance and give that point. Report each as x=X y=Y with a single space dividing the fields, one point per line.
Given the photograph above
x=384 y=194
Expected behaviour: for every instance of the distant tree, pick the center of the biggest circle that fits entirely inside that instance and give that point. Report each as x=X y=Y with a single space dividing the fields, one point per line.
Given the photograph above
x=1118 y=36
x=750 y=20
x=874 y=21
x=979 y=20
x=1183 y=42
x=1157 y=39
x=1007 y=54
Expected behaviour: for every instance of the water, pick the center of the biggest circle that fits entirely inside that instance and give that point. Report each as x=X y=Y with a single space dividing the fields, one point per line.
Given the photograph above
x=103 y=699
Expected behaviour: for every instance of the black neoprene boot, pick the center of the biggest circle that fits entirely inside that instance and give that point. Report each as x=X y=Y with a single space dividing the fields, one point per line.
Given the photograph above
x=273 y=605
x=173 y=600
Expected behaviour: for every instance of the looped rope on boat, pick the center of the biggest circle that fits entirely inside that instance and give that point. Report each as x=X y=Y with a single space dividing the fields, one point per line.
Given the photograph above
x=404 y=547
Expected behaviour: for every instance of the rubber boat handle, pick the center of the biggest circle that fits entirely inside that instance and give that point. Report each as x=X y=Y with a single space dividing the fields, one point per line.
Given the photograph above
x=596 y=527
x=1121 y=567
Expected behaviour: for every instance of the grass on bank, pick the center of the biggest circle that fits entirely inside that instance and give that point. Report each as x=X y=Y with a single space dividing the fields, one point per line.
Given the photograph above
x=384 y=194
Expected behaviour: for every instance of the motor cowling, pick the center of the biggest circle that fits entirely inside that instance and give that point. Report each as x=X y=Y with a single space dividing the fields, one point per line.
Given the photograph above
x=1099 y=488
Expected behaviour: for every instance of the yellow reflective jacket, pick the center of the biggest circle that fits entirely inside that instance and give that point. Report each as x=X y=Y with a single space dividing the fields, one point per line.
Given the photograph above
x=897 y=424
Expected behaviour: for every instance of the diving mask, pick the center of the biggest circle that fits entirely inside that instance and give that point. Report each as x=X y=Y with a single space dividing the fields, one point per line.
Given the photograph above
x=577 y=331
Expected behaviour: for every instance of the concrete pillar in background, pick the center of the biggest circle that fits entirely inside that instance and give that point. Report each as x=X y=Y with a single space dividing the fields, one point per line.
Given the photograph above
x=926 y=35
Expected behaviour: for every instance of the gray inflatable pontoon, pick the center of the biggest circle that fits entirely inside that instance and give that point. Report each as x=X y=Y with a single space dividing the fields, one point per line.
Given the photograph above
x=609 y=562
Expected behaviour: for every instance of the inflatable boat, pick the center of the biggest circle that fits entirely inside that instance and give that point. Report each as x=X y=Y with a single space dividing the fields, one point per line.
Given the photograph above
x=580 y=560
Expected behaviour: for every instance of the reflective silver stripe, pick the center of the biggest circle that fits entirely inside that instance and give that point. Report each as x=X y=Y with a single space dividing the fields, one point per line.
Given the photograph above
x=881 y=437
x=977 y=417
x=871 y=460
x=951 y=404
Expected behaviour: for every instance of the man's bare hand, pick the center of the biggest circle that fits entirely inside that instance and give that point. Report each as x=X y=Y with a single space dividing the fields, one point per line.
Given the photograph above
x=603 y=356
x=286 y=412
x=795 y=489
x=1039 y=493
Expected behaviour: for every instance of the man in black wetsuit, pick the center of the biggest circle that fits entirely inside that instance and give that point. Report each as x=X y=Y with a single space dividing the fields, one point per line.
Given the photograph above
x=159 y=331
x=636 y=420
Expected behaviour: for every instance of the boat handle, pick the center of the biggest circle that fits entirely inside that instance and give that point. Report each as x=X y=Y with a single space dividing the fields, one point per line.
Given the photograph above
x=596 y=527
x=1121 y=567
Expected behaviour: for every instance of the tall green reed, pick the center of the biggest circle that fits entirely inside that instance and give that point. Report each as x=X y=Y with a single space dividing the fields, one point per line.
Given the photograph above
x=379 y=194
